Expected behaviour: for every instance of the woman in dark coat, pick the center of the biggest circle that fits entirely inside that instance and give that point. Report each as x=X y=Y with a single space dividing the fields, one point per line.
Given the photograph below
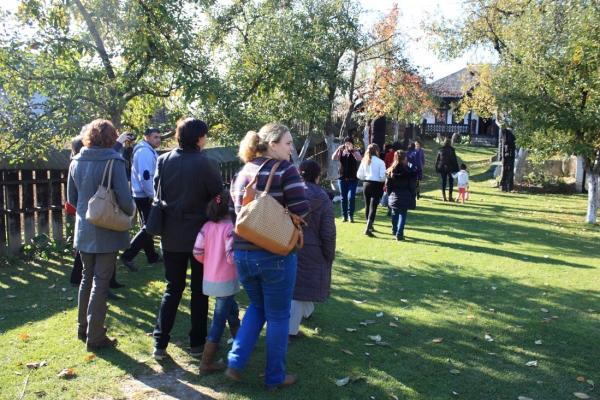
x=313 y=278
x=400 y=187
x=187 y=180
x=446 y=164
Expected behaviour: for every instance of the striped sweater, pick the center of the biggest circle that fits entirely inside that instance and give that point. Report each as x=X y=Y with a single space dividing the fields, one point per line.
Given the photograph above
x=287 y=188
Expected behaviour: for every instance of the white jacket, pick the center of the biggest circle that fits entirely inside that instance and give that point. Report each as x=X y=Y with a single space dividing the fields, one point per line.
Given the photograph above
x=374 y=172
x=463 y=178
x=142 y=170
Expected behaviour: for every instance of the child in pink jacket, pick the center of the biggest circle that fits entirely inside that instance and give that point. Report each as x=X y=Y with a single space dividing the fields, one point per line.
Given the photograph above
x=213 y=248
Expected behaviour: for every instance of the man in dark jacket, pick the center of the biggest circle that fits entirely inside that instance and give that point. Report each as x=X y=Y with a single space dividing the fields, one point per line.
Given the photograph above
x=446 y=164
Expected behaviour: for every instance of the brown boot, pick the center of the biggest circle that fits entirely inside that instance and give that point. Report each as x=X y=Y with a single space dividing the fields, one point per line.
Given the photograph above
x=208 y=356
x=444 y=196
x=234 y=331
x=450 y=198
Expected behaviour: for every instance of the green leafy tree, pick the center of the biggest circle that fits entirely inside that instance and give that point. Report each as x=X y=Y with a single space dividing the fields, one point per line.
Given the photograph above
x=548 y=73
x=63 y=63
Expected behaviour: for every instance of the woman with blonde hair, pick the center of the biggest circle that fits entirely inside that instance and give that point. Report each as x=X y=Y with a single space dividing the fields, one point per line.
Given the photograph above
x=98 y=246
x=400 y=187
x=268 y=278
x=372 y=173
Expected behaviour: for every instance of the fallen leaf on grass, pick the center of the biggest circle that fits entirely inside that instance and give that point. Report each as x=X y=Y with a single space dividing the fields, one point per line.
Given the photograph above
x=381 y=343
x=65 y=373
x=380 y=314
x=538 y=342
x=10 y=296
x=369 y=344
x=445 y=291
x=470 y=316
x=376 y=338
x=546 y=320
x=580 y=379
x=36 y=365
x=142 y=361
x=342 y=381
x=580 y=395
x=404 y=300
x=52 y=287
x=393 y=325
x=347 y=352
x=524 y=398
x=588 y=310
x=491 y=354
x=18 y=373
x=40 y=392
x=23 y=336
x=369 y=321
x=454 y=393
x=531 y=364
x=359 y=301
x=34 y=306
x=488 y=338
x=363 y=323
x=69 y=298
x=351 y=329
x=358 y=378
x=438 y=340
x=393 y=396
x=520 y=351
x=89 y=357
x=454 y=371
x=544 y=310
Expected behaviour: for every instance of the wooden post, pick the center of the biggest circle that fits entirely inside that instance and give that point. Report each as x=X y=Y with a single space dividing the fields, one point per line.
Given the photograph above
x=13 y=206
x=57 y=205
x=2 y=215
x=28 y=204
x=42 y=195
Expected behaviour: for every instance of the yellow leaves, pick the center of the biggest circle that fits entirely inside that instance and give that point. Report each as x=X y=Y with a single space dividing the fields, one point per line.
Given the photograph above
x=23 y=336
x=66 y=373
x=580 y=379
x=438 y=340
x=89 y=357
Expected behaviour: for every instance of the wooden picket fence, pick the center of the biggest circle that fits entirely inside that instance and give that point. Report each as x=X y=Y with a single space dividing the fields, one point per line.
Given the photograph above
x=33 y=195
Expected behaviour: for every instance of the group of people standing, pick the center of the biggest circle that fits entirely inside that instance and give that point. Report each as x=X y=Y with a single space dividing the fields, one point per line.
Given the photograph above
x=198 y=231
x=397 y=177
x=395 y=180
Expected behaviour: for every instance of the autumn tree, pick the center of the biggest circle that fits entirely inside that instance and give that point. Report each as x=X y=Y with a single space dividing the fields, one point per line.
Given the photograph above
x=63 y=63
x=386 y=82
x=547 y=78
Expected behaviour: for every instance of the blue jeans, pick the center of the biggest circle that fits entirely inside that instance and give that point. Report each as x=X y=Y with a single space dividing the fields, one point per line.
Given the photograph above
x=226 y=311
x=447 y=177
x=348 y=193
x=398 y=221
x=269 y=281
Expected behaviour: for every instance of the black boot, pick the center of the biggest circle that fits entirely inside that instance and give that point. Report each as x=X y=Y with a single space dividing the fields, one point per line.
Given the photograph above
x=113 y=280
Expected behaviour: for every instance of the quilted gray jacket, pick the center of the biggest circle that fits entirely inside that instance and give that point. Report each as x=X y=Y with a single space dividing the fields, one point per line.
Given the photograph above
x=315 y=259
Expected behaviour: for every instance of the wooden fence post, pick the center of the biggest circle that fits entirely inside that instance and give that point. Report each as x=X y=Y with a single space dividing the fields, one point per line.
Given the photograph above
x=28 y=205
x=13 y=207
x=42 y=194
x=56 y=205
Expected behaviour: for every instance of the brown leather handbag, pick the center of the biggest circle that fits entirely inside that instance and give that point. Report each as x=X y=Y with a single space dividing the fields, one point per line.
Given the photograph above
x=265 y=222
x=103 y=209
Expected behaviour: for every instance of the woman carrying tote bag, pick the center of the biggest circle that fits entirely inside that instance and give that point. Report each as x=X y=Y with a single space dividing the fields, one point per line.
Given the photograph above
x=268 y=278
x=98 y=246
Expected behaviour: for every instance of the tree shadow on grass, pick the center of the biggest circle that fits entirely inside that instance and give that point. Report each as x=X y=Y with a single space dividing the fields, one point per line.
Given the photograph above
x=510 y=315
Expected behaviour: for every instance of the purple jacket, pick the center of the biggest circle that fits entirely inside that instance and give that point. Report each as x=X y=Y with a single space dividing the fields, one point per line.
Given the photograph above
x=313 y=279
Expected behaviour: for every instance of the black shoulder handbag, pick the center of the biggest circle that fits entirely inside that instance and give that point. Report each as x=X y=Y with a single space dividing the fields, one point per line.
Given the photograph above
x=156 y=218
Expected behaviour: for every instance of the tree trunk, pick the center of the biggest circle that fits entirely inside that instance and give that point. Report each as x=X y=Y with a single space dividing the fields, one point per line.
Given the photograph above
x=520 y=164
x=593 y=174
x=592 y=211
x=348 y=116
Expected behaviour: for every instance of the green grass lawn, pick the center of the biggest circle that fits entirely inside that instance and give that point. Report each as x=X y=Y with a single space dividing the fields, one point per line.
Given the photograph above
x=490 y=267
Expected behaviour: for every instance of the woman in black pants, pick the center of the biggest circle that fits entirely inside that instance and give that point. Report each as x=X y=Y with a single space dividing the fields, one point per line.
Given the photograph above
x=372 y=172
x=446 y=164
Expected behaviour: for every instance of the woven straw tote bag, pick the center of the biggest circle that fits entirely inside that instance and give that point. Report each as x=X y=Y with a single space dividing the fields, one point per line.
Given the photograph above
x=265 y=222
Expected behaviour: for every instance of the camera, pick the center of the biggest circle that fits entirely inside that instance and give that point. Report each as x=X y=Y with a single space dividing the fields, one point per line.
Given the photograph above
x=132 y=137
x=345 y=147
